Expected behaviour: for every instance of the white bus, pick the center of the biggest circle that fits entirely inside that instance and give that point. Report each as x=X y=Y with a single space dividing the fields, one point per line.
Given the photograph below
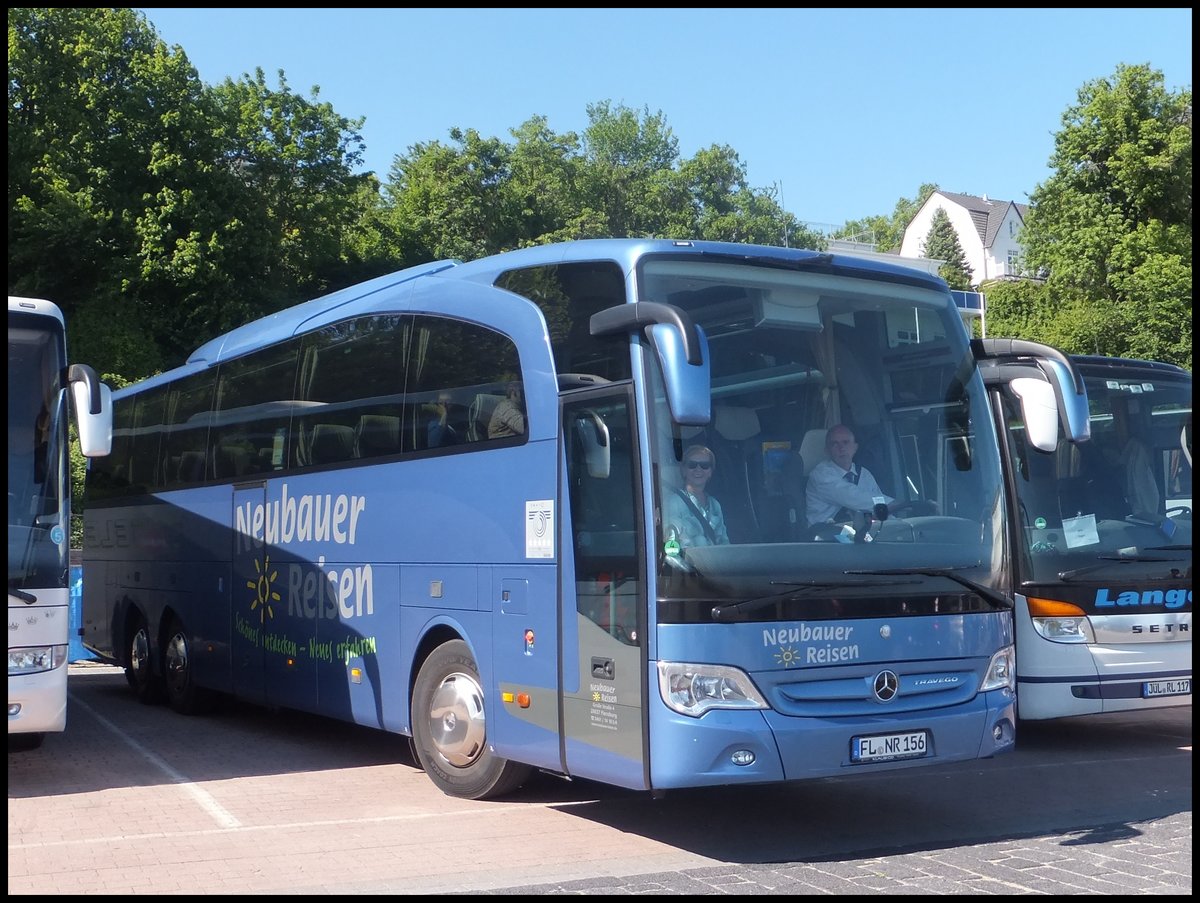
x=39 y=510
x=1101 y=531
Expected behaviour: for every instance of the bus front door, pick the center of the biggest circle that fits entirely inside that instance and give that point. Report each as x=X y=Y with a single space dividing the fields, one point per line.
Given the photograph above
x=603 y=656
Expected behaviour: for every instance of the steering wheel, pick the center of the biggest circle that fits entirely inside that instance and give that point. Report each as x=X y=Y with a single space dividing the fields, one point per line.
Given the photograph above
x=917 y=508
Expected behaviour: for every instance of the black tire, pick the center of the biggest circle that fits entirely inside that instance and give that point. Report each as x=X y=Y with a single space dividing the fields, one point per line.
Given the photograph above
x=139 y=665
x=449 y=730
x=25 y=742
x=179 y=676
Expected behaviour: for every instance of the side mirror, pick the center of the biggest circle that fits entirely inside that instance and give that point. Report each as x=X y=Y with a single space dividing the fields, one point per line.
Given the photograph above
x=93 y=410
x=1039 y=410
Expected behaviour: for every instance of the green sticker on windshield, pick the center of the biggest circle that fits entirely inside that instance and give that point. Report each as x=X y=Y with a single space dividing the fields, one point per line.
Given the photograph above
x=1040 y=523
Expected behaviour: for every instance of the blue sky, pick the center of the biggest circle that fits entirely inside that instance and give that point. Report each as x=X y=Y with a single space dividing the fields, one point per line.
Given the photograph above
x=845 y=111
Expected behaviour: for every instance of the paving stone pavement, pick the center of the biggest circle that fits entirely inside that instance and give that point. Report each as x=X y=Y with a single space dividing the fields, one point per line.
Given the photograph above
x=1152 y=858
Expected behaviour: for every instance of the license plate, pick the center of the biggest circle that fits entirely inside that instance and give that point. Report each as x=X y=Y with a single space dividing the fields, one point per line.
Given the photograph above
x=1182 y=687
x=888 y=747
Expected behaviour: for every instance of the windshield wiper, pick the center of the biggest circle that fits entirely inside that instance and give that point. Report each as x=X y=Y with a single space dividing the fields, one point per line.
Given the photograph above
x=1120 y=559
x=27 y=598
x=793 y=590
x=1182 y=547
x=987 y=592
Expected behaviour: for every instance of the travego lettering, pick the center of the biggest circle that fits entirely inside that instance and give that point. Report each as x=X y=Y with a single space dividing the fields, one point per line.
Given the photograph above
x=1170 y=598
x=306 y=518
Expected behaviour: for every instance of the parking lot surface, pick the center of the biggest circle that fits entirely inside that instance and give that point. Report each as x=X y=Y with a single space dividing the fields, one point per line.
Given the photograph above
x=135 y=799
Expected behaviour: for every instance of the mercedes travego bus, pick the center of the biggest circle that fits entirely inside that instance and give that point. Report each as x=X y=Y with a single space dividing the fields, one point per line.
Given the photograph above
x=440 y=503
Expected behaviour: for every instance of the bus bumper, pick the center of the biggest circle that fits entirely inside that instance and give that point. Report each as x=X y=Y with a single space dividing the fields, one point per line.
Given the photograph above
x=37 y=703
x=743 y=747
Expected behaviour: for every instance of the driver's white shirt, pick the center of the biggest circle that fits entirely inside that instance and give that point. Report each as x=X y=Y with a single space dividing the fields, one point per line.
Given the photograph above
x=828 y=491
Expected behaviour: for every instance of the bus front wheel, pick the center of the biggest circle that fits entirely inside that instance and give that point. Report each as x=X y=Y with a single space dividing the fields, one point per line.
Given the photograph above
x=139 y=668
x=450 y=732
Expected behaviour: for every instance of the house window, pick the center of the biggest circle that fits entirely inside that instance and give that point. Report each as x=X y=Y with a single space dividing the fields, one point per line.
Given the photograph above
x=1012 y=228
x=1014 y=263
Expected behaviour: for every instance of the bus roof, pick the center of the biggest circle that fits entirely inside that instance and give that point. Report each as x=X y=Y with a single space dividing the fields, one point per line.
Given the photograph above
x=35 y=306
x=1099 y=365
x=625 y=252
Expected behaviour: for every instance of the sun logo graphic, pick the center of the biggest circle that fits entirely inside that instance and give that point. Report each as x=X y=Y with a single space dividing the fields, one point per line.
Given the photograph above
x=787 y=656
x=264 y=590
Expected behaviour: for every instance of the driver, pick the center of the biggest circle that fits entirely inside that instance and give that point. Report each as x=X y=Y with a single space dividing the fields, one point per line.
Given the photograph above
x=837 y=487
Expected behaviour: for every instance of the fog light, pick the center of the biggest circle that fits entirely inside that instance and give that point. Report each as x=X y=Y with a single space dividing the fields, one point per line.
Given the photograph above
x=997 y=731
x=742 y=757
x=14 y=708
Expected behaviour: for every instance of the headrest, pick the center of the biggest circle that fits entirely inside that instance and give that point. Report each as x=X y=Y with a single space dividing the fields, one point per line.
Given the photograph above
x=378 y=433
x=735 y=424
x=812 y=448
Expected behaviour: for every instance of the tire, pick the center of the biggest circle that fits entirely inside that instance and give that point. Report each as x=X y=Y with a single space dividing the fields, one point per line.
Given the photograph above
x=139 y=666
x=449 y=729
x=179 y=675
x=25 y=742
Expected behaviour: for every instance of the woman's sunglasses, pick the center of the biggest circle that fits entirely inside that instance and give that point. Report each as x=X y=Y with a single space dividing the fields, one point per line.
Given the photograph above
x=701 y=465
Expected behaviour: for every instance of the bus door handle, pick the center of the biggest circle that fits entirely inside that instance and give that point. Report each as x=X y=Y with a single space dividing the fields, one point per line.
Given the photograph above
x=603 y=667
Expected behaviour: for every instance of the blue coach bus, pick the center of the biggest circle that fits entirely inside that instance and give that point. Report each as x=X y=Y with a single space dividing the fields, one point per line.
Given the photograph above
x=439 y=503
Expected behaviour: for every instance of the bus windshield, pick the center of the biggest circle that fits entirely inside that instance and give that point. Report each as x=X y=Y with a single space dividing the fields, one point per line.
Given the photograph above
x=798 y=357
x=1118 y=505
x=36 y=466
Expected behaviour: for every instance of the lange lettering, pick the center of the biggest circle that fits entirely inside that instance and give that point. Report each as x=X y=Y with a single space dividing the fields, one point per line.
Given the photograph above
x=1171 y=598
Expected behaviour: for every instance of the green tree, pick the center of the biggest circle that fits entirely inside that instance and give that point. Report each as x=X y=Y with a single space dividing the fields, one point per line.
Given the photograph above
x=941 y=243
x=622 y=177
x=104 y=126
x=1111 y=227
x=158 y=212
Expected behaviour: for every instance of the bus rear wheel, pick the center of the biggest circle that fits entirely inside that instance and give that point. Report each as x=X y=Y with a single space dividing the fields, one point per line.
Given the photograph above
x=139 y=668
x=450 y=732
x=180 y=675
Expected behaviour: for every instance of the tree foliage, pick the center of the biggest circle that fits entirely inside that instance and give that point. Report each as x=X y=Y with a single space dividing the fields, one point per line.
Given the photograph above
x=941 y=243
x=1112 y=226
x=157 y=211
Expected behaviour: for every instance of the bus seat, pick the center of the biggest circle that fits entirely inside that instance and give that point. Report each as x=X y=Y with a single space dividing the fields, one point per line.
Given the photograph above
x=480 y=415
x=735 y=430
x=332 y=443
x=377 y=435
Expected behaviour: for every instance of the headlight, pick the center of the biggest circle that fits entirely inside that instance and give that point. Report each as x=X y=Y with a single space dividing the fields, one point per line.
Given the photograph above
x=1001 y=671
x=694 y=689
x=1065 y=630
x=1060 y=622
x=34 y=659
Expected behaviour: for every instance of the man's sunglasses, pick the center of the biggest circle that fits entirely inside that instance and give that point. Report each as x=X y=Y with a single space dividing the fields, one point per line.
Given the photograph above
x=701 y=465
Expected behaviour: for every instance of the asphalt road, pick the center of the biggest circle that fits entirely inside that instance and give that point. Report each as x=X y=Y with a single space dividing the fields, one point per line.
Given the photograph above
x=135 y=799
